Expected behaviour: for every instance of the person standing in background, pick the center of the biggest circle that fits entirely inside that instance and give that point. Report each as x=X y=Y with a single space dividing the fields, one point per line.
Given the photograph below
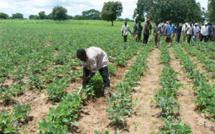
x=189 y=32
x=138 y=31
x=204 y=32
x=184 y=28
x=147 y=31
x=195 y=32
x=135 y=27
x=210 y=30
x=213 y=32
x=125 y=30
x=169 y=31
x=178 y=32
x=157 y=32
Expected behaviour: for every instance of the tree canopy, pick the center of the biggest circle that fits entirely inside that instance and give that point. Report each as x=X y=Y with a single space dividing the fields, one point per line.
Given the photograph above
x=59 y=13
x=211 y=10
x=91 y=14
x=3 y=15
x=42 y=15
x=33 y=17
x=17 y=16
x=175 y=10
x=111 y=11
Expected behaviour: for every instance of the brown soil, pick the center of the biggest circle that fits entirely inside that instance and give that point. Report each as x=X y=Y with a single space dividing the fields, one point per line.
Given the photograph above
x=198 y=123
x=201 y=67
x=145 y=118
x=94 y=115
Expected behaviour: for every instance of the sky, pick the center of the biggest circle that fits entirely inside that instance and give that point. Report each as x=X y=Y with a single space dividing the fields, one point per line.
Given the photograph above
x=74 y=7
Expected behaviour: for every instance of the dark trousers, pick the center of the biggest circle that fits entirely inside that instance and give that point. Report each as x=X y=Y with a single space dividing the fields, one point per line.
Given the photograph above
x=205 y=38
x=125 y=38
x=189 y=38
x=210 y=37
x=178 y=38
x=145 y=39
x=104 y=73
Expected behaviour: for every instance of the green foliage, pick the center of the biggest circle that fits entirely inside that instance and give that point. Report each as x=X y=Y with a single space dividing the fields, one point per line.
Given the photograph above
x=91 y=14
x=176 y=10
x=59 y=13
x=211 y=10
x=57 y=90
x=20 y=112
x=17 y=16
x=65 y=114
x=42 y=15
x=111 y=11
x=7 y=124
x=172 y=128
x=34 y=82
x=33 y=17
x=3 y=15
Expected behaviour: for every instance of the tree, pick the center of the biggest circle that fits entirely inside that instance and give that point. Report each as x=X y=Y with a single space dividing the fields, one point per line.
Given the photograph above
x=175 y=10
x=3 y=15
x=49 y=16
x=91 y=14
x=33 y=17
x=59 y=13
x=42 y=15
x=17 y=16
x=211 y=10
x=111 y=11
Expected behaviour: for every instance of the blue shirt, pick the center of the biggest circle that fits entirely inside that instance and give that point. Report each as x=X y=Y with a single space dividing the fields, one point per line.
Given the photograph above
x=178 y=30
x=170 y=29
x=210 y=29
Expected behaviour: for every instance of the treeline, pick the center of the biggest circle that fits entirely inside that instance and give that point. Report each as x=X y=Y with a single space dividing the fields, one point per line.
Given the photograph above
x=176 y=10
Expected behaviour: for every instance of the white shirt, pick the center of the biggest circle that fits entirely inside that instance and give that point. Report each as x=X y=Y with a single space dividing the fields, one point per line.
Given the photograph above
x=204 y=30
x=184 y=28
x=125 y=29
x=96 y=59
x=195 y=30
x=189 y=30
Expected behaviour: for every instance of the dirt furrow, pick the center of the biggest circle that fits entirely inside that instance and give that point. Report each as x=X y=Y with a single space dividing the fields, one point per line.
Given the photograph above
x=198 y=123
x=94 y=115
x=145 y=118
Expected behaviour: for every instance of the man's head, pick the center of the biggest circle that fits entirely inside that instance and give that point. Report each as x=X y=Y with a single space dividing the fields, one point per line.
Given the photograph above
x=148 y=20
x=125 y=23
x=81 y=54
x=139 y=22
x=157 y=22
x=191 y=23
x=170 y=22
x=177 y=24
x=196 y=24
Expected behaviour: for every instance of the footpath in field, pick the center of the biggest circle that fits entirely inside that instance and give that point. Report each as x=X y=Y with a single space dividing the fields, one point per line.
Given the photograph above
x=94 y=116
x=197 y=122
x=145 y=119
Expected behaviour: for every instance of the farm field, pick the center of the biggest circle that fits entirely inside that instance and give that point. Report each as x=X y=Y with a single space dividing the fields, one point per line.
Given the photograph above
x=154 y=90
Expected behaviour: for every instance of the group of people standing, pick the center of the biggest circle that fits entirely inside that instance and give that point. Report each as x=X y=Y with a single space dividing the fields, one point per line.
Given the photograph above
x=170 y=31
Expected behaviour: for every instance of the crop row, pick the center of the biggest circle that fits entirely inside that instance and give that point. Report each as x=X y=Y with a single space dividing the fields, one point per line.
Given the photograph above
x=121 y=102
x=11 y=122
x=166 y=97
x=209 y=64
x=208 y=49
x=204 y=91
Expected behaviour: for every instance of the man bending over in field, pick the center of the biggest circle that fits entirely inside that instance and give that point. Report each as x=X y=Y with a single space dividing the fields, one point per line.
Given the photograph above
x=95 y=59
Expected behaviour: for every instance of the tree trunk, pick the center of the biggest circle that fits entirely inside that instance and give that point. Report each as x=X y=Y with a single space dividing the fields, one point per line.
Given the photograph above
x=112 y=23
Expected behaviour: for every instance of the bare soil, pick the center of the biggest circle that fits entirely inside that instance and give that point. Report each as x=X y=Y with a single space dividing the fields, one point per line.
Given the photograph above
x=145 y=118
x=198 y=123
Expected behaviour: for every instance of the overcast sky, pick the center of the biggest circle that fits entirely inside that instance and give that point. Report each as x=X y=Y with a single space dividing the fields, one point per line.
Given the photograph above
x=74 y=7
